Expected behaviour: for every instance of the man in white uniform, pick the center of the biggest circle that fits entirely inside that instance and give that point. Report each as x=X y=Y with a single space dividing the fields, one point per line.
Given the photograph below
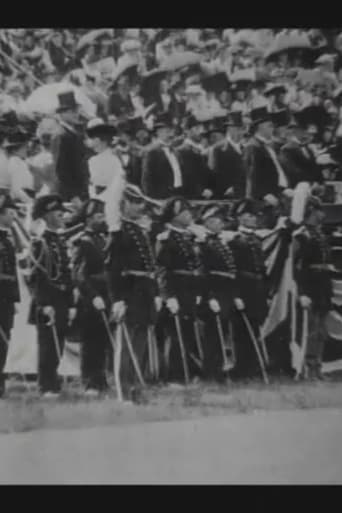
x=107 y=176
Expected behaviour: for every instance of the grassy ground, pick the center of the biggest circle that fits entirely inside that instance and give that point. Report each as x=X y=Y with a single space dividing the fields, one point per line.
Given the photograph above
x=23 y=410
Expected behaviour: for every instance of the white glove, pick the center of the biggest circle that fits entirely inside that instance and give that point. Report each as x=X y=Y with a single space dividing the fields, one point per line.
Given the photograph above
x=207 y=193
x=198 y=300
x=214 y=305
x=158 y=302
x=305 y=302
x=271 y=200
x=49 y=311
x=118 y=310
x=239 y=304
x=229 y=191
x=98 y=303
x=288 y=193
x=72 y=314
x=173 y=305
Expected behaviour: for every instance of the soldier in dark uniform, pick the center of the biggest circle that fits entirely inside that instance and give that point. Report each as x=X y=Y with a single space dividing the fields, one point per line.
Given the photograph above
x=90 y=278
x=69 y=151
x=179 y=257
x=52 y=307
x=9 y=287
x=313 y=277
x=252 y=286
x=132 y=277
x=221 y=293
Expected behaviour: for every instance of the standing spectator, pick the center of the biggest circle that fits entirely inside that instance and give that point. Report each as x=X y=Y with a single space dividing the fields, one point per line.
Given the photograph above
x=197 y=175
x=162 y=173
x=120 y=103
x=69 y=151
x=229 y=172
x=21 y=177
x=264 y=171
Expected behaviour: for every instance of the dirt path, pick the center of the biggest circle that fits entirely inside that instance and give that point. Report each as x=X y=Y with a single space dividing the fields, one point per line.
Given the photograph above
x=263 y=447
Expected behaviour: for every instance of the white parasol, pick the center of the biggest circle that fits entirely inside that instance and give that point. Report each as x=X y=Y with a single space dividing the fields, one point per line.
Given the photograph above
x=44 y=100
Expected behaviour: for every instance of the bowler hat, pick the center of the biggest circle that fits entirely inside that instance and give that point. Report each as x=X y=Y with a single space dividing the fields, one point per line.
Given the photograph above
x=66 y=101
x=46 y=204
x=192 y=121
x=259 y=115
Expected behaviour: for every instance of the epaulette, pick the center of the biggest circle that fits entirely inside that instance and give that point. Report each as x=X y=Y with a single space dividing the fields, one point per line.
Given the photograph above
x=163 y=236
x=227 y=236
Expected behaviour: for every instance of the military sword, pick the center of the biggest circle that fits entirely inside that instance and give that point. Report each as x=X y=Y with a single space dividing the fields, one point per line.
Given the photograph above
x=226 y=365
x=150 y=353
x=132 y=354
x=117 y=348
x=304 y=344
x=198 y=340
x=256 y=347
x=182 y=349
x=56 y=341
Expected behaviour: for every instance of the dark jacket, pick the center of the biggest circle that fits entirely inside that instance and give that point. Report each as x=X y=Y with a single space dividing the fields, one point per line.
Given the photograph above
x=157 y=174
x=120 y=106
x=131 y=250
x=50 y=277
x=298 y=166
x=196 y=173
x=217 y=257
x=71 y=167
x=89 y=267
x=262 y=175
x=251 y=275
x=312 y=249
x=177 y=251
x=229 y=170
x=9 y=288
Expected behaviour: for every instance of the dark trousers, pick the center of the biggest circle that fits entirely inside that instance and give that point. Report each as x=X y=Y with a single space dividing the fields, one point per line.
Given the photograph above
x=48 y=380
x=6 y=323
x=212 y=350
x=246 y=357
x=94 y=345
x=138 y=338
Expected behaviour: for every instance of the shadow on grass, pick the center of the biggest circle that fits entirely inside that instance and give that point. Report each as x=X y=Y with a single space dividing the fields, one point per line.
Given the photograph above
x=24 y=411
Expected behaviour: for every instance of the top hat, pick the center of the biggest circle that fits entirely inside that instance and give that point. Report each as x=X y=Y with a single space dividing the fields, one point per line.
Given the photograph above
x=280 y=118
x=98 y=128
x=174 y=207
x=259 y=115
x=234 y=119
x=192 y=121
x=67 y=101
x=162 y=121
x=46 y=204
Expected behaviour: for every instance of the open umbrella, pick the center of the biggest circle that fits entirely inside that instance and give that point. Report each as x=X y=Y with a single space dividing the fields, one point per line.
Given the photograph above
x=180 y=60
x=44 y=100
x=286 y=43
x=90 y=37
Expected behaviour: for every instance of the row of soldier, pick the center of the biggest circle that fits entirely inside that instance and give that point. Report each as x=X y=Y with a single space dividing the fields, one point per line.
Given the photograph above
x=180 y=301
